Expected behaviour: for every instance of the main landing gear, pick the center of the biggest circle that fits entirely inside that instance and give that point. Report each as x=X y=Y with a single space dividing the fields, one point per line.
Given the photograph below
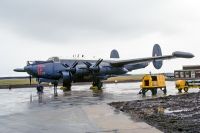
x=55 y=89
x=40 y=89
x=97 y=85
x=66 y=86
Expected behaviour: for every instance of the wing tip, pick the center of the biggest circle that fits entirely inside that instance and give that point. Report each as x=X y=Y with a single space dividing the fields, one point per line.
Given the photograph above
x=180 y=54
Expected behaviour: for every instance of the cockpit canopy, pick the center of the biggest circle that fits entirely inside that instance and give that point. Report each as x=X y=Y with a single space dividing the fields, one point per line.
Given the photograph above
x=54 y=59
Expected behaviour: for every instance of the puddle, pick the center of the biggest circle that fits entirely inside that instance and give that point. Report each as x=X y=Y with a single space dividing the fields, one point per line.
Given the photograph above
x=169 y=111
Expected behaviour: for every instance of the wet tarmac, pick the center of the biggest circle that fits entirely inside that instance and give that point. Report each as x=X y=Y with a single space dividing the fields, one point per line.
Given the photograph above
x=78 y=111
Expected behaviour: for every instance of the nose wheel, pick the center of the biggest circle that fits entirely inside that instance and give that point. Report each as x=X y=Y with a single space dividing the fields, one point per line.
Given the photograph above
x=40 y=88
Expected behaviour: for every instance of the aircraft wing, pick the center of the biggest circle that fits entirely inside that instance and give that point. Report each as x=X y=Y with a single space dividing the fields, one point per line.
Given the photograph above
x=176 y=54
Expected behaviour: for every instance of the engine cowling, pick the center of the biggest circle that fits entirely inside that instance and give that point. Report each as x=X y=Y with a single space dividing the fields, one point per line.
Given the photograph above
x=67 y=76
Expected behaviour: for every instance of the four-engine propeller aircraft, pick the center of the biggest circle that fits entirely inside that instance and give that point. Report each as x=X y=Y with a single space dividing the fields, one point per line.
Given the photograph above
x=68 y=71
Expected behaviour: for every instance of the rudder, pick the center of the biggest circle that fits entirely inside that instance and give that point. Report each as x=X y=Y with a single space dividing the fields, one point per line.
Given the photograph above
x=114 y=54
x=157 y=52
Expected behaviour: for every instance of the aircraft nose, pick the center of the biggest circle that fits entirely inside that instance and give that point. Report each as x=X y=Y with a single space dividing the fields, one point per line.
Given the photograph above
x=19 y=70
x=28 y=68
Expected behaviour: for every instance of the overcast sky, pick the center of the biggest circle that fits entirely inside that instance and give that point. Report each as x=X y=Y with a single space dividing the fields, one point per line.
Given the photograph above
x=39 y=29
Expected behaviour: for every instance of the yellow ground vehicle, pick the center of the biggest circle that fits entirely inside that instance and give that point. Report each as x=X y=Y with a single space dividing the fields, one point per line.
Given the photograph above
x=186 y=84
x=153 y=82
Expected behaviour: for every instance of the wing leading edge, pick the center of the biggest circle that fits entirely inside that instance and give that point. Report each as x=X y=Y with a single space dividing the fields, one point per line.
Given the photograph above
x=176 y=54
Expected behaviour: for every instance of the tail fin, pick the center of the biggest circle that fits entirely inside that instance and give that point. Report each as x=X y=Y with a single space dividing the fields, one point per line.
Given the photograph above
x=157 y=52
x=114 y=54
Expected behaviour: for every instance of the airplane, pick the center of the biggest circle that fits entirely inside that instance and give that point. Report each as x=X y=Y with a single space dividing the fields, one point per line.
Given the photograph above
x=69 y=71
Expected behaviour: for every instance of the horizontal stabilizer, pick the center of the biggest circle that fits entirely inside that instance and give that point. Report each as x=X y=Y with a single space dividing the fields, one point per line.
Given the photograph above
x=150 y=59
x=180 y=54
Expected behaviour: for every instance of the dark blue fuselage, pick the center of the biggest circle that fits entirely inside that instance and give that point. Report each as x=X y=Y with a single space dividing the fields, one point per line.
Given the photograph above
x=56 y=71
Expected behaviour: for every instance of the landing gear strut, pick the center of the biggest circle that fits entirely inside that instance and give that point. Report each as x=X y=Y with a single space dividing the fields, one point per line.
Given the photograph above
x=55 y=89
x=40 y=88
x=96 y=85
x=66 y=86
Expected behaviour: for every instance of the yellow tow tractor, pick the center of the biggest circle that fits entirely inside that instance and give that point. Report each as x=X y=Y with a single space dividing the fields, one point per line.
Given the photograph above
x=153 y=82
x=186 y=84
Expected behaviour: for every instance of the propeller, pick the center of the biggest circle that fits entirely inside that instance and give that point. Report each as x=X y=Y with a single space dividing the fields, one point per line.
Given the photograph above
x=67 y=74
x=93 y=68
x=71 y=68
x=98 y=62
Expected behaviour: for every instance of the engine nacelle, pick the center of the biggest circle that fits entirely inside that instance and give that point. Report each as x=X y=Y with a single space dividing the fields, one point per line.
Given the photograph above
x=67 y=76
x=105 y=70
x=102 y=77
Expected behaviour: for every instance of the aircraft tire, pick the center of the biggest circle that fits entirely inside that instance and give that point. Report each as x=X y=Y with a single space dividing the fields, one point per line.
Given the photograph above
x=186 y=89
x=154 y=91
x=165 y=91
x=66 y=87
x=99 y=85
x=143 y=92
x=40 y=89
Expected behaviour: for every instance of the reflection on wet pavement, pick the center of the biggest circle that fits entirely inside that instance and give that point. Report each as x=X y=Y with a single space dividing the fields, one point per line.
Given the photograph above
x=81 y=110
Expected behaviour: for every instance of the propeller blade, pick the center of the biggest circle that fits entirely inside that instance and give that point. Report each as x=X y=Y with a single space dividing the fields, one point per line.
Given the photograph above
x=87 y=64
x=65 y=65
x=74 y=64
x=98 y=62
x=72 y=68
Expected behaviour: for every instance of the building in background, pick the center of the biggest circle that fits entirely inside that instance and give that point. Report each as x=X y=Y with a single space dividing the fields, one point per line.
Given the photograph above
x=188 y=72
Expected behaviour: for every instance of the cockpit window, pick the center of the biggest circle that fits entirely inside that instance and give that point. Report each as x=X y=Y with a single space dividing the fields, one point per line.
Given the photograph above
x=54 y=59
x=30 y=63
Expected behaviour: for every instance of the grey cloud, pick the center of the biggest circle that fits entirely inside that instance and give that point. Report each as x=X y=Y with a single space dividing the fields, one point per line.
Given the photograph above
x=62 y=20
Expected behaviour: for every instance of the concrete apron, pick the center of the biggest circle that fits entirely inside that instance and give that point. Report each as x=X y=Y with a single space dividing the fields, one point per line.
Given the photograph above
x=80 y=119
x=107 y=120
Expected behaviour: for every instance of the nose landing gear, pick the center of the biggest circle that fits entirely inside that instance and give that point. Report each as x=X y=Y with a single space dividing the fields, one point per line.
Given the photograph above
x=40 y=88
